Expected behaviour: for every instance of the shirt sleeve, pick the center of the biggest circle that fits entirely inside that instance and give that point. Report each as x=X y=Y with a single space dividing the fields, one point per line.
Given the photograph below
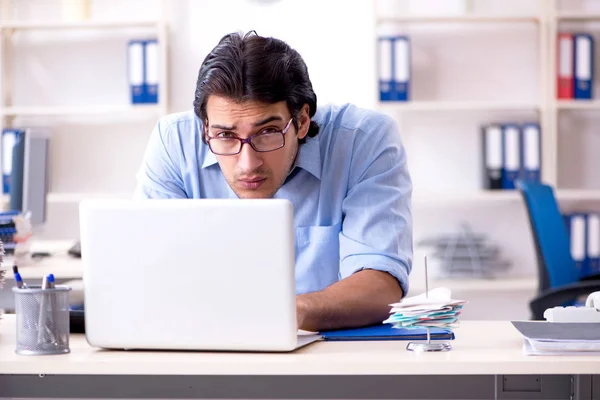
x=377 y=225
x=159 y=175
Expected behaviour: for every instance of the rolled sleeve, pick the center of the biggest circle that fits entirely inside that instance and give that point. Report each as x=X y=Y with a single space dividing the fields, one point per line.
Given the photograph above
x=377 y=225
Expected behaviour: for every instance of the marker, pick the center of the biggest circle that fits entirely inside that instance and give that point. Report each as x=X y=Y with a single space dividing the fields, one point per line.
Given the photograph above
x=50 y=281
x=15 y=269
x=19 y=280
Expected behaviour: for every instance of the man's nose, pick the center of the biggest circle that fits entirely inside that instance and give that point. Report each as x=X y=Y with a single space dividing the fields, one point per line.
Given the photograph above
x=248 y=159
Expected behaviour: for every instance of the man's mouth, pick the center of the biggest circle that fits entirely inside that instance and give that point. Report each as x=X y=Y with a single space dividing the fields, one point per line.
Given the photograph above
x=252 y=183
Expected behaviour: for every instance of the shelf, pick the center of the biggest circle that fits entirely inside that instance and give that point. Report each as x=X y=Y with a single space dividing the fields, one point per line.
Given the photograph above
x=577 y=194
x=149 y=109
x=578 y=104
x=459 y=18
x=75 y=197
x=31 y=25
x=578 y=16
x=483 y=196
x=56 y=197
x=456 y=106
x=465 y=197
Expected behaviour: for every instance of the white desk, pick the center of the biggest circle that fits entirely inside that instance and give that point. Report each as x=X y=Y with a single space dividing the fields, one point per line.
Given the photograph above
x=486 y=361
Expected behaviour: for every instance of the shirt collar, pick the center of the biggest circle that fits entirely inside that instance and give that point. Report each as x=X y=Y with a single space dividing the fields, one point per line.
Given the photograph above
x=209 y=158
x=308 y=157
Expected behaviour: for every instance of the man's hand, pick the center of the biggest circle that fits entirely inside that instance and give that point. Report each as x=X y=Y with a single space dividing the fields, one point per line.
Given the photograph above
x=358 y=300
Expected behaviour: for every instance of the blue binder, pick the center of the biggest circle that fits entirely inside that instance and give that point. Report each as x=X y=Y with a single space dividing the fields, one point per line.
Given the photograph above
x=136 y=61
x=151 y=71
x=576 y=223
x=386 y=332
x=401 y=70
x=593 y=243
x=511 y=145
x=385 y=65
x=583 y=65
x=531 y=151
x=9 y=139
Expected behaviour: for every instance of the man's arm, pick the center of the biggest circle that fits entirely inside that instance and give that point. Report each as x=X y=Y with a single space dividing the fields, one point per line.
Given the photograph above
x=376 y=238
x=358 y=300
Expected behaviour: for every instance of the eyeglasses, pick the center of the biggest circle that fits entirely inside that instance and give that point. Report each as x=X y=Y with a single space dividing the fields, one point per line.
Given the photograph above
x=269 y=139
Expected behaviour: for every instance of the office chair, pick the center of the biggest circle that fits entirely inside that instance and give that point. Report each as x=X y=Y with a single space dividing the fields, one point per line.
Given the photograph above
x=559 y=282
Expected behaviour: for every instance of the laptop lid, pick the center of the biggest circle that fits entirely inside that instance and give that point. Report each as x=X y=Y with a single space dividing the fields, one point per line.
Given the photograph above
x=196 y=274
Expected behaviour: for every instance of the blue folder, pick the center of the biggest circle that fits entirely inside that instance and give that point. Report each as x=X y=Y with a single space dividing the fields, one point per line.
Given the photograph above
x=387 y=332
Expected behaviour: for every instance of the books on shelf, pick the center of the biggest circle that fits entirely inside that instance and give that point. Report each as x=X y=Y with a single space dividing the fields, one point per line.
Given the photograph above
x=510 y=151
x=583 y=229
x=575 y=66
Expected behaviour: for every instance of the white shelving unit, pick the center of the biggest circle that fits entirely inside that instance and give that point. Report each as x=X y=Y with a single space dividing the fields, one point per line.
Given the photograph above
x=94 y=113
x=463 y=106
x=547 y=109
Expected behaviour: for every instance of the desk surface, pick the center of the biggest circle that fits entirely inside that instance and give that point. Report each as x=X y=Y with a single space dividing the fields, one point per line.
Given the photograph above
x=479 y=348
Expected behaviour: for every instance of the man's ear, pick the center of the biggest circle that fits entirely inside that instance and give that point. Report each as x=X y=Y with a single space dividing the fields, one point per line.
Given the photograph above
x=303 y=122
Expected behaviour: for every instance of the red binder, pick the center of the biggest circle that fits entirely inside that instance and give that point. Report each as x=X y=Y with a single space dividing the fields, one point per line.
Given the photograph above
x=564 y=66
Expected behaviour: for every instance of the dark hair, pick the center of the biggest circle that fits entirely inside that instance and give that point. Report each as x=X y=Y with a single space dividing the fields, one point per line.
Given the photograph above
x=254 y=68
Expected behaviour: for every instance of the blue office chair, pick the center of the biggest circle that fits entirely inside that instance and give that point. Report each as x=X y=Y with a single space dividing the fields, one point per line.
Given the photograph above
x=559 y=282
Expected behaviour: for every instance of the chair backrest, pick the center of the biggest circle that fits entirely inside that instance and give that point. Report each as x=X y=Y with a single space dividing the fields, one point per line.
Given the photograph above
x=556 y=266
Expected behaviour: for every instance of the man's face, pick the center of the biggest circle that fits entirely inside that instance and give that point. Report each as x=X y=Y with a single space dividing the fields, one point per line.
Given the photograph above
x=252 y=174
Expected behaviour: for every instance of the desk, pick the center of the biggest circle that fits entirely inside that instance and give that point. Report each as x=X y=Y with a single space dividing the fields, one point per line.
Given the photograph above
x=486 y=361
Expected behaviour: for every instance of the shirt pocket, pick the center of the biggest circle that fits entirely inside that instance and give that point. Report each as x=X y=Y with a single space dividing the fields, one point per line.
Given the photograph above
x=317 y=257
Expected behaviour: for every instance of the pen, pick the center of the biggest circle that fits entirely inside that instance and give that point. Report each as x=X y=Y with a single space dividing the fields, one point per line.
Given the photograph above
x=50 y=281
x=42 y=313
x=50 y=326
x=18 y=280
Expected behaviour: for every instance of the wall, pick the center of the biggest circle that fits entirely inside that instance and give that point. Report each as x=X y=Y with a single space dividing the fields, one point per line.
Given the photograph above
x=451 y=63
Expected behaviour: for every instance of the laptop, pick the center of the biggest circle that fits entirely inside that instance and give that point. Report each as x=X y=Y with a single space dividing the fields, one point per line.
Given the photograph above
x=190 y=274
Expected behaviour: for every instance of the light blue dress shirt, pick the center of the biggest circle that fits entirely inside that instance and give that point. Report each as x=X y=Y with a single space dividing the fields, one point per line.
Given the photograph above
x=350 y=188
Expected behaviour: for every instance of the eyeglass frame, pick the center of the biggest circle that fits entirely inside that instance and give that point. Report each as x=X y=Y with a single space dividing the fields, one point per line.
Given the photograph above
x=249 y=140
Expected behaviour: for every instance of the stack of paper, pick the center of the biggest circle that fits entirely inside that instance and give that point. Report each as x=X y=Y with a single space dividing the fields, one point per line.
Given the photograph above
x=435 y=308
x=559 y=338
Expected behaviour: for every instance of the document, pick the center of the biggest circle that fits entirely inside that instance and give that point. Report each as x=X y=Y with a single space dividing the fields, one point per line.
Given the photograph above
x=559 y=338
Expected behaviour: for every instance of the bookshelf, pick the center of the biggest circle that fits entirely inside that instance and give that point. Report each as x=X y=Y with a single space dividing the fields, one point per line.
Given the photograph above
x=29 y=32
x=493 y=62
x=543 y=19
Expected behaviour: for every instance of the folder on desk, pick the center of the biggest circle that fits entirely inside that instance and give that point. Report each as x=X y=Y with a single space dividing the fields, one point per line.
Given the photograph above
x=386 y=332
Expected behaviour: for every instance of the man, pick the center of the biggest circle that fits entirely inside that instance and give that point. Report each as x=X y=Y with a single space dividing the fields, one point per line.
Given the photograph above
x=255 y=132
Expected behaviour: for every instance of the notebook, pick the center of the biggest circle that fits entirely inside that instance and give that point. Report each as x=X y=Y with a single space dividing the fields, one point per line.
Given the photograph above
x=387 y=332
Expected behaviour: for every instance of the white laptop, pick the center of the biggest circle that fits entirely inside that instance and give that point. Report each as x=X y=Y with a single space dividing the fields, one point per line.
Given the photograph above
x=190 y=274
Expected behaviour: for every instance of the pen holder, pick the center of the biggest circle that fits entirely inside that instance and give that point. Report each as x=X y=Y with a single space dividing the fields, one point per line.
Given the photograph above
x=42 y=320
